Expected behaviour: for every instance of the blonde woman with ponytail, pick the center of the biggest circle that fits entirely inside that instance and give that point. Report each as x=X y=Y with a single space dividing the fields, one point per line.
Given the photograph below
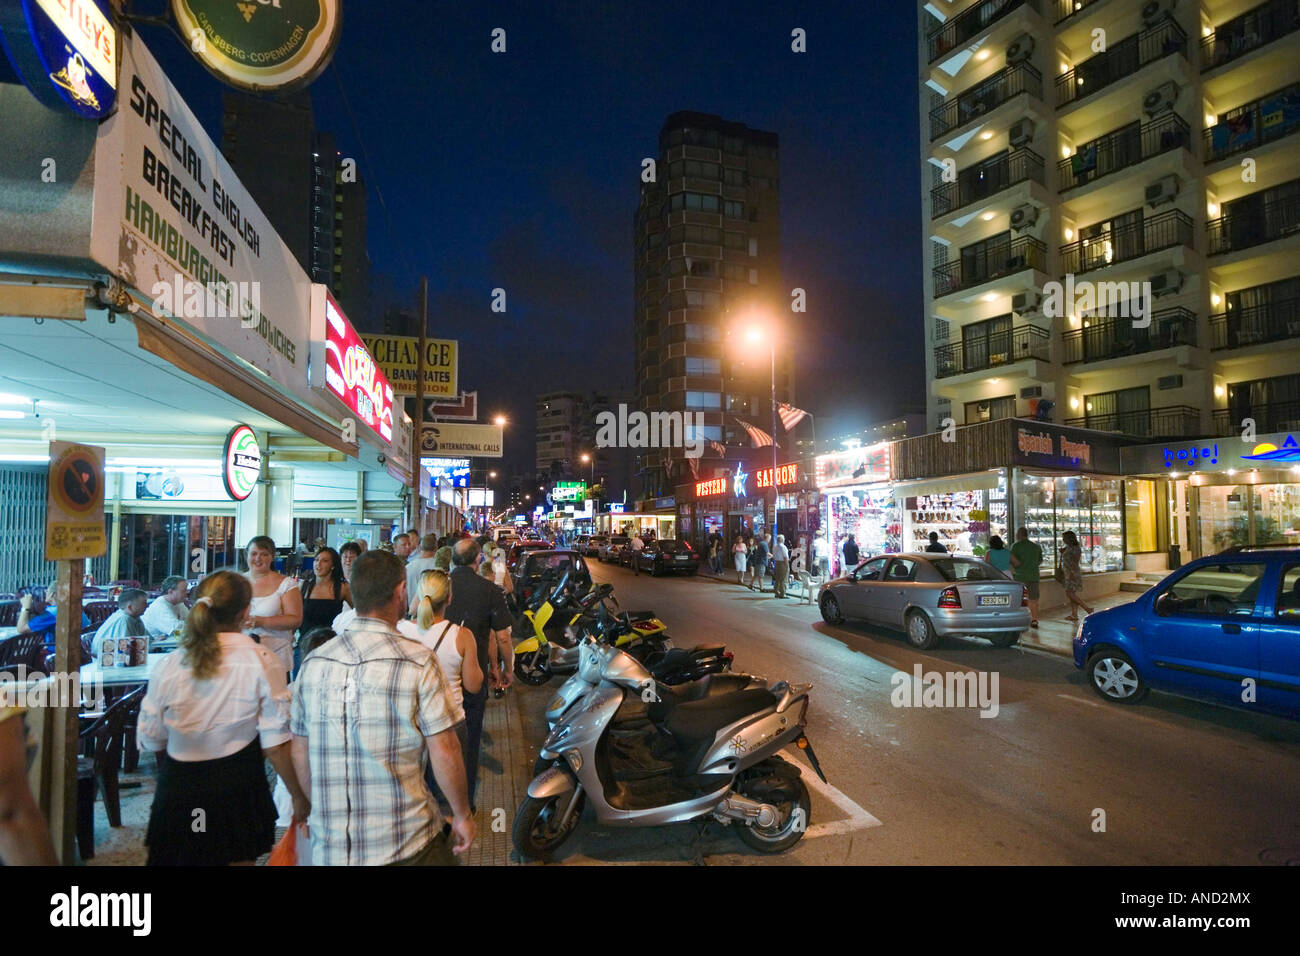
x=453 y=645
x=213 y=710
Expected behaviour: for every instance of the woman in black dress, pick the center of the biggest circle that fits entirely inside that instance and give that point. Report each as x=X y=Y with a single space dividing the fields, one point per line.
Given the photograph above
x=323 y=592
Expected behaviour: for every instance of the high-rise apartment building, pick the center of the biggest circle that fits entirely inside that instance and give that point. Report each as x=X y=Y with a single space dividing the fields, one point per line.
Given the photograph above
x=708 y=237
x=1080 y=153
x=566 y=431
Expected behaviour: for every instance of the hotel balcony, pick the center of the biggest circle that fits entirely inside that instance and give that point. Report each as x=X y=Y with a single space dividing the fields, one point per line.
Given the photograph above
x=994 y=351
x=1264 y=222
x=1255 y=325
x=1121 y=149
x=969 y=24
x=1121 y=243
x=1268 y=416
x=979 y=182
x=996 y=261
x=1123 y=59
x=1111 y=338
x=1069 y=8
x=1155 y=424
x=1254 y=124
x=1249 y=31
x=985 y=97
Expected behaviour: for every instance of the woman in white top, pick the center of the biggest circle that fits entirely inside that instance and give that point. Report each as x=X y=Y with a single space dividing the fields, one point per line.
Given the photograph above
x=214 y=708
x=452 y=644
x=740 y=552
x=276 y=609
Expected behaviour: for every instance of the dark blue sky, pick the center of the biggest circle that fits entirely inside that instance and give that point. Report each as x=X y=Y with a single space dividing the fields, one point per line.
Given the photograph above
x=520 y=170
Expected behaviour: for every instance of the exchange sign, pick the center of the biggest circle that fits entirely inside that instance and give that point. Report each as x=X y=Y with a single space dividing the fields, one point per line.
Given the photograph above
x=398 y=356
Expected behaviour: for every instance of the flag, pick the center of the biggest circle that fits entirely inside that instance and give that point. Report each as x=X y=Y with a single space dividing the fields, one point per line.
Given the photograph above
x=695 y=467
x=790 y=416
x=719 y=448
x=758 y=438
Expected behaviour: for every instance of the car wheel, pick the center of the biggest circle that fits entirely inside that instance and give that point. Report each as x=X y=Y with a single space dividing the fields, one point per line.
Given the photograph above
x=920 y=632
x=1004 y=640
x=831 y=610
x=1114 y=677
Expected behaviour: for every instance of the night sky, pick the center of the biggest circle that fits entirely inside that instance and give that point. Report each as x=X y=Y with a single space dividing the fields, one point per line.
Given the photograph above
x=521 y=170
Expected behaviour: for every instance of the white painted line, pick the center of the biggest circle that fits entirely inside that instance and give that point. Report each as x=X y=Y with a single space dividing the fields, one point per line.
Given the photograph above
x=859 y=818
x=1129 y=715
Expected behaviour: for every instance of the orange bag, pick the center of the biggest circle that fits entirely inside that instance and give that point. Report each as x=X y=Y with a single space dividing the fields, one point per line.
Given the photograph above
x=285 y=853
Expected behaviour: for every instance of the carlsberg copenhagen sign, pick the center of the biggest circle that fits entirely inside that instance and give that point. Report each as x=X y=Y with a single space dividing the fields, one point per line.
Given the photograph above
x=261 y=44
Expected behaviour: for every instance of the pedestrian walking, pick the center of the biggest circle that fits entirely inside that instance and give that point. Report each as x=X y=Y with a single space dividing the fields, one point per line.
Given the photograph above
x=998 y=555
x=637 y=545
x=214 y=710
x=758 y=562
x=367 y=708
x=1071 y=574
x=1026 y=559
x=822 y=556
x=780 y=567
x=740 y=556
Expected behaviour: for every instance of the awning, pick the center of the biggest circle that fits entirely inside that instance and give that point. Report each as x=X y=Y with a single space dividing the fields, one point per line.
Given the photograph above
x=940 y=486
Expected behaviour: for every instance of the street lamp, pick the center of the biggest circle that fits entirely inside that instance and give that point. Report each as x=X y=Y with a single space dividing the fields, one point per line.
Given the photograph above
x=755 y=334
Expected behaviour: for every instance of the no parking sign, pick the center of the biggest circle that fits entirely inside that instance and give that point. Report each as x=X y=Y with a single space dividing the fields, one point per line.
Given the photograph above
x=74 y=502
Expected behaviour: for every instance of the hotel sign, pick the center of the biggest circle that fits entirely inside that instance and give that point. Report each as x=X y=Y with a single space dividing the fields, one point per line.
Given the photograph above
x=1276 y=450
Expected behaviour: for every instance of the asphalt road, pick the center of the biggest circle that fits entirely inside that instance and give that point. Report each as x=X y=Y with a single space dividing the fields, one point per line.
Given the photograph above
x=1056 y=777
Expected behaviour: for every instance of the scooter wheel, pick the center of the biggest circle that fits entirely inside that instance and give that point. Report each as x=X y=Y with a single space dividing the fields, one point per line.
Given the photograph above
x=542 y=765
x=536 y=833
x=789 y=830
x=531 y=668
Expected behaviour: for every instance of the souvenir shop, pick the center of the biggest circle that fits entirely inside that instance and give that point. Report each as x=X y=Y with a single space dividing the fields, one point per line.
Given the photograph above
x=857 y=499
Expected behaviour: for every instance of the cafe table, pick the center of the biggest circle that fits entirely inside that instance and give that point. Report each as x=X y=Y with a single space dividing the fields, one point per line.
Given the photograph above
x=92 y=673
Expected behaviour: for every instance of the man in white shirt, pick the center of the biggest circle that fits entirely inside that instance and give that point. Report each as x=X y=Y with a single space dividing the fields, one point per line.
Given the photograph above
x=780 y=566
x=638 y=545
x=402 y=545
x=124 y=622
x=822 y=556
x=168 y=610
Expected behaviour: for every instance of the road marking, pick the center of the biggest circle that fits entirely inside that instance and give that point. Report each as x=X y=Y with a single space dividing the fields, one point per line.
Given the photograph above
x=859 y=818
x=1107 y=707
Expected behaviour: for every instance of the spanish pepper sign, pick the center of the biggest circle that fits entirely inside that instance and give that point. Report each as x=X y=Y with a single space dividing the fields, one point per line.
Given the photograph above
x=74 y=503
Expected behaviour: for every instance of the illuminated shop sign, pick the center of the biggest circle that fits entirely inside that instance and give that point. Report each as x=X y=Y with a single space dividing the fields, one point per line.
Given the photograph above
x=569 y=491
x=855 y=466
x=454 y=470
x=711 y=487
x=1040 y=446
x=785 y=475
x=1278 y=450
x=350 y=371
x=65 y=52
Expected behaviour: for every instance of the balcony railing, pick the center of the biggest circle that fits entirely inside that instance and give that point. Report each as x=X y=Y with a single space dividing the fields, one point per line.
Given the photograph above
x=1252 y=227
x=1249 y=31
x=986 y=179
x=1268 y=416
x=1002 y=259
x=970 y=23
x=985 y=97
x=1129 y=241
x=999 y=348
x=1256 y=324
x=1253 y=124
x=1068 y=8
x=1123 y=148
x=1115 y=337
x=1123 y=59
x=1171 y=421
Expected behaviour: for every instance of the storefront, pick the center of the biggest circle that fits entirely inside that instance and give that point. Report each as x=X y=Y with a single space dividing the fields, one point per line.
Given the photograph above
x=1220 y=493
x=739 y=502
x=855 y=497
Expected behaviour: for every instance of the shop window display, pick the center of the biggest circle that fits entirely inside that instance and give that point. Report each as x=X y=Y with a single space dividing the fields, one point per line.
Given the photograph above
x=1089 y=507
x=949 y=516
x=871 y=516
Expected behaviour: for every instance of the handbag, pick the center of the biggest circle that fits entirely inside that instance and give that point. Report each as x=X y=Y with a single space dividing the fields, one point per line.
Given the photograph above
x=1059 y=575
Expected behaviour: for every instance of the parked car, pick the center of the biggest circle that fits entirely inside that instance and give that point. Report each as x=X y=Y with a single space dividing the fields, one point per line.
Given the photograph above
x=612 y=548
x=1224 y=628
x=930 y=596
x=667 y=556
x=534 y=564
x=521 y=548
x=591 y=546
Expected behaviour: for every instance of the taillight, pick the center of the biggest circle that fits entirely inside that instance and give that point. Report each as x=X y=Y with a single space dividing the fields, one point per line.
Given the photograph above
x=1024 y=597
x=949 y=598
x=729 y=656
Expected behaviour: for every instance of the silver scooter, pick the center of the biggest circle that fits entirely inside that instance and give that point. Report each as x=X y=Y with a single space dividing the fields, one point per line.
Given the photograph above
x=646 y=758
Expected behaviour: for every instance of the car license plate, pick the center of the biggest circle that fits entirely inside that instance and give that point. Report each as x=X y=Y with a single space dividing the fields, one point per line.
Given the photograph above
x=683 y=557
x=994 y=600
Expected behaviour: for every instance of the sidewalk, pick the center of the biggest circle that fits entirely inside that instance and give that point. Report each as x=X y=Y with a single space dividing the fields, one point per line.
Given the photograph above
x=1054 y=633
x=503 y=778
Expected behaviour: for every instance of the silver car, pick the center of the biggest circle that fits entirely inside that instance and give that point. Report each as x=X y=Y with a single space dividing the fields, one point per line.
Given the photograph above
x=930 y=596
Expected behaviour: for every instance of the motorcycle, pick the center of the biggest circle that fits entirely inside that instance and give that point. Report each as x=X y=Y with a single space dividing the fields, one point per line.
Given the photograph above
x=649 y=759
x=553 y=649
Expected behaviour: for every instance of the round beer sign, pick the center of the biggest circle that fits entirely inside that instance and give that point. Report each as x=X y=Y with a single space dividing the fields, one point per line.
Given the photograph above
x=261 y=45
x=242 y=463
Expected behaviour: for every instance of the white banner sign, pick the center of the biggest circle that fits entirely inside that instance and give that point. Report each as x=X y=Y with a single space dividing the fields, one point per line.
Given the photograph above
x=461 y=441
x=174 y=222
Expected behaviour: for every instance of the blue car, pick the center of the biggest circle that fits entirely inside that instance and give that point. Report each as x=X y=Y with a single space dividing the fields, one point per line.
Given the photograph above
x=1224 y=628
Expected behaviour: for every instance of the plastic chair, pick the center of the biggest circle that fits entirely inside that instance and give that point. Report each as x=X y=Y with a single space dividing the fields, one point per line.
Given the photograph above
x=9 y=611
x=23 y=650
x=102 y=742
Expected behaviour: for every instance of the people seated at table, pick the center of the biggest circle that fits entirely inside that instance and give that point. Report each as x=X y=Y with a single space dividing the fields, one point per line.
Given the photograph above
x=213 y=711
x=167 y=611
x=38 y=616
x=124 y=622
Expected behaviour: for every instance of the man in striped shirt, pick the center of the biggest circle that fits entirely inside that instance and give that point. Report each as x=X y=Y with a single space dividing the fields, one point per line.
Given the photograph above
x=366 y=707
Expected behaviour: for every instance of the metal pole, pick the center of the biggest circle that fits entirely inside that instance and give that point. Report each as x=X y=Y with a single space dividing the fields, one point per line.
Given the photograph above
x=776 y=496
x=418 y=436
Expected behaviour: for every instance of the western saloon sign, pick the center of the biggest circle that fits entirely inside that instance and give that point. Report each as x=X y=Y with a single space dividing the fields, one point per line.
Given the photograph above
x=261 y=45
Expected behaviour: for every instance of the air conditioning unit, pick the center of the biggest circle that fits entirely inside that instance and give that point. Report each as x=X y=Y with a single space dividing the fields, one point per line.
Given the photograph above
x=1022 y=133
x=1020 y=50
x=1168 y=282
x=1024 y=217
x=1169 y=381
x=1161 y=99
x=1156 y=10
x=1023 y=303
x=1163 y=190
x=1031 y=391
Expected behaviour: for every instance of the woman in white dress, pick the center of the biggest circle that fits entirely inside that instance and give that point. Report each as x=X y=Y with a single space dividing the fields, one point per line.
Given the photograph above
x=740 y=554
x=276 y=609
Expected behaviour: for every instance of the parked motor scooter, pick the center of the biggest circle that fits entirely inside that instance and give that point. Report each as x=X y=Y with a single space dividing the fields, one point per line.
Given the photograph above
x=656 y=759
